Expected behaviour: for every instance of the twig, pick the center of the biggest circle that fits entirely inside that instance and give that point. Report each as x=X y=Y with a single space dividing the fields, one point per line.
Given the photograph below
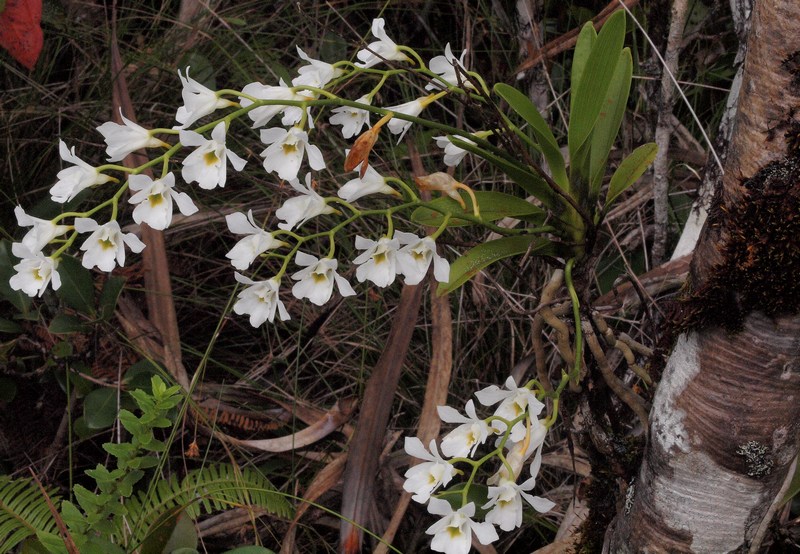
x=664 y=131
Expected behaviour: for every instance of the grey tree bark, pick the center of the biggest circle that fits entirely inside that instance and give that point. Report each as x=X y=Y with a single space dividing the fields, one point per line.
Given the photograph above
x=725 y=428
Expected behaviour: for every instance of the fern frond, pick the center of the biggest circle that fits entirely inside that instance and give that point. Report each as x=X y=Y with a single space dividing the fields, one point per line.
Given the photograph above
x=210 y=489
x=23 y=512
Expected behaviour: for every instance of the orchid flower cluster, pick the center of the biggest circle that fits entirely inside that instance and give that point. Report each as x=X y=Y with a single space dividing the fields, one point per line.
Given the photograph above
x=519 y=436
x=287 y=150
x=289 y=154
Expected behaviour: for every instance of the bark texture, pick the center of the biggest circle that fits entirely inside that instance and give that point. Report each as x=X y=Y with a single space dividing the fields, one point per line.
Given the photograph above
x=725 y=423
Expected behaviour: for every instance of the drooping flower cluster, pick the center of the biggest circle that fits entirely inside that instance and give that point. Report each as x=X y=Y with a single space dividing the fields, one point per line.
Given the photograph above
x=519 y=436
x=288 y=148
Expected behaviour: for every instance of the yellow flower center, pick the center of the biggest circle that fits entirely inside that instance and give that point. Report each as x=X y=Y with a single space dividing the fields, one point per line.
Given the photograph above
x=211 y=158
x=155 y=199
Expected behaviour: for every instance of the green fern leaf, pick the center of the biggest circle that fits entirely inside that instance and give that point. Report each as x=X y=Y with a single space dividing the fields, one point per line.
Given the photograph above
x=23 y=512
x=211 y=489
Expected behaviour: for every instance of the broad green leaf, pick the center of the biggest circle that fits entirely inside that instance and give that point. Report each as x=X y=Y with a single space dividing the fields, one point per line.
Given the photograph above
x=520 y=174
x=590 y=93
x=8 y=389
x=139 y=374
x=8 y=326
x=171 y=532
x=64 y=324
x=630 y=170
x=100 y=408
x=544 y=136
x=608 y=122
x=108 y=297
x=583 y=48
x=493 y=206
x=77 y=285
x=483 y=255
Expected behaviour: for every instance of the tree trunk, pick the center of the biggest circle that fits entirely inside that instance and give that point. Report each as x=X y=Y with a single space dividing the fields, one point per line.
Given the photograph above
x=725 y=423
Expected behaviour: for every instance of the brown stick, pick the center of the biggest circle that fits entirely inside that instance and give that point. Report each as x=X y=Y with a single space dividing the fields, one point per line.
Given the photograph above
x=568 y=39
x=362 y=457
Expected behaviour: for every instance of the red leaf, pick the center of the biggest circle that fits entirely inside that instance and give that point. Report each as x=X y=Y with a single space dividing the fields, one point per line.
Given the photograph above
x=21 y=31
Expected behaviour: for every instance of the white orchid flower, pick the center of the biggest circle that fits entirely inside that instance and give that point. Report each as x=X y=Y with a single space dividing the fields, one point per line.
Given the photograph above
x=316 y=281
x=105 y=247
x=264 y=114
x=42 y=230
x=505 y=499
x=384 y=49
x=256 y=242
x=465 y=439
x=198 y=101
x=317 y=74
x=259 y=300
x=416 y=256
x=413 y=108
x=423 y=479
x=34 y=272
x=73 y=180
x=153 y=200
x=286 y=151
x=514 y=401
x=378 y=262
x=371 y=183
x=299 y=209
x=121 y=140
x=452 y=154
x=207 y=165
x=453 y=533
x=351 y=119
x=445 y=67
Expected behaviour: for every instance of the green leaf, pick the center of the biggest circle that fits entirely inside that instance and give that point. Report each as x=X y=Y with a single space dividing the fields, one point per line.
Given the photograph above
x=100 y=408
x=82 y=430
x=64 y=324
x=8 y=326
x=139 y=374
x=595 y=78
x=544 y=136
x=794 y=487
x=108 y=297
x=608 y=122
x=8 y=389
x=77 y=285
x=530 y=182
x=493 y=206
x=580 y=56
x=630 y=170
x=483 y=255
